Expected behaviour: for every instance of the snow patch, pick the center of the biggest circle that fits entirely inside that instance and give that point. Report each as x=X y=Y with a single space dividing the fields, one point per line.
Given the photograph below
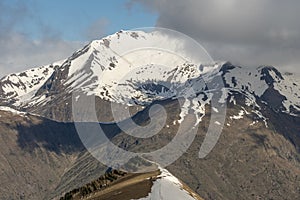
x=218 y=123
x=11 y=110
x=239 y=116
x=168 y=187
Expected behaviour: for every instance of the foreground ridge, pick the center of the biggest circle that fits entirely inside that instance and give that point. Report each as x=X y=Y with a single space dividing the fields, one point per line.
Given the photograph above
x=118 y=185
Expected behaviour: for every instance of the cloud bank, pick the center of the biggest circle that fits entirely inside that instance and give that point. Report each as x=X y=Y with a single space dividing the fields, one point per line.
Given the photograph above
x=19 y=51
x=256 y=32
x=253 y=33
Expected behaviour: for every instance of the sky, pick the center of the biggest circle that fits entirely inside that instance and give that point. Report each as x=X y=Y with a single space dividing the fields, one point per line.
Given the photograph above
x=250 y=33
x=39 y=32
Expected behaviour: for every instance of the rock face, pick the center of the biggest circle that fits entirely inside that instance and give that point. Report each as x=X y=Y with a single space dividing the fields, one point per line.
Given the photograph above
x=257 y=155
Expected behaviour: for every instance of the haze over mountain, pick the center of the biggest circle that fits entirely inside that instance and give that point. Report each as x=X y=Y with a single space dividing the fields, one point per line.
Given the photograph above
x=256 y=156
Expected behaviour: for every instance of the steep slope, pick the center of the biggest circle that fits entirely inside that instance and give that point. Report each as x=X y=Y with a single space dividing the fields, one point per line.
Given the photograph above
x=261 y=83
x=34 y=153
x=249 y=161
x=257 y=155
x=98 y=67
x=41 y=158
x=155 y=68
x=19 y=89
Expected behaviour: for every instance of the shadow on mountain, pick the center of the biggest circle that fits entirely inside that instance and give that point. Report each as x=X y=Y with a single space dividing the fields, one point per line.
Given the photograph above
x=56 y=137
x=60 y=137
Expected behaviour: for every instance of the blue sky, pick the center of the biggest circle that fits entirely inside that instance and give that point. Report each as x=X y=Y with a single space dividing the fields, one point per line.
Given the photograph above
x=250 y=33
x=74 y=19
x=39 y=32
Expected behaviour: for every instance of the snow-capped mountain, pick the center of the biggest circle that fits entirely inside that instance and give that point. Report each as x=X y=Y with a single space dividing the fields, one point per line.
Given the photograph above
x=258 y=152
x=18 y=89
x=106 y=69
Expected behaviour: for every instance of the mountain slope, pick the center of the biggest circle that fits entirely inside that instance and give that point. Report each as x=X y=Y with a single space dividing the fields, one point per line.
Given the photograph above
x=257 y=155
x=34 y=154
x=251 y=160
x=46 y=158
x=105 y=69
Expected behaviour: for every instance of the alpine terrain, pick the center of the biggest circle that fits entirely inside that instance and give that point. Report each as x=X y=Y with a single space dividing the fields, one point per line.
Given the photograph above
x=255 y=110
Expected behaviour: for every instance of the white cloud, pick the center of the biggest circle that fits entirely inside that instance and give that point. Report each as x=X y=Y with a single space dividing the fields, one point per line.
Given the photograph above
x=18 y=52
x=256 y=32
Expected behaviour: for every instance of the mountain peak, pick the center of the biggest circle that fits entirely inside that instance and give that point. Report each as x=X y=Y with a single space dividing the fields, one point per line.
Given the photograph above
x=150 y=71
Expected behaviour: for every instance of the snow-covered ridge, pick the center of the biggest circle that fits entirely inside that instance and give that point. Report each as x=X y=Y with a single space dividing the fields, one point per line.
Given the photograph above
x=254 y=82
x=168 y=187
x=21 y=87
x=289 y=88
x=106 y=69
x=105 y=64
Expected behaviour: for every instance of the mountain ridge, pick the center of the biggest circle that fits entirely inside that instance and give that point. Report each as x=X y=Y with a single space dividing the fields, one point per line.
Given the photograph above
x=257 y=155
